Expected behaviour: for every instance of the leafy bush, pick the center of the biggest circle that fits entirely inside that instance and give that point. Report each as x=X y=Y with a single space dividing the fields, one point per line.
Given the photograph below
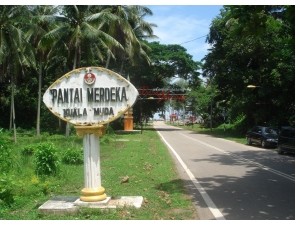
x=106 y=139
x=5 y=154
x=28 y=150
x=6 y=189
x=73 y=156
x=109 y=130
x=26 y=132
x=46 y=159
x=240 y=124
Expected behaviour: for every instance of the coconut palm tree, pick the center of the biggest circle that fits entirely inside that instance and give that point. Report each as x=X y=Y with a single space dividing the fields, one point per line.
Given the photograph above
x=142 y=29
x=79 y=32
x=42 y=21
x=129 y=30
x=15 y=51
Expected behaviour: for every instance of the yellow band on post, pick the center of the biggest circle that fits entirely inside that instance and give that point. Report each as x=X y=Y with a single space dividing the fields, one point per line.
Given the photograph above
x=96 y=130
x=93 y=194
x=92 y=191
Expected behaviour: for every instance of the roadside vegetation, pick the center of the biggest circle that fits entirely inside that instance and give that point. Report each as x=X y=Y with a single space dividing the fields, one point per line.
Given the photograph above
x=142 y=158
x=225 y=131
x=248 y=73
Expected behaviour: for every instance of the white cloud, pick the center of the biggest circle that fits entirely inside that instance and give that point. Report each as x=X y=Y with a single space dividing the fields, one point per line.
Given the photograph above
x=175 y=29
x=184 y=25
x=198 y=51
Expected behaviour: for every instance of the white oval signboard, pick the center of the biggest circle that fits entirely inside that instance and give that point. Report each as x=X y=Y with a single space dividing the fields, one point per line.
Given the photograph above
x=90 y=96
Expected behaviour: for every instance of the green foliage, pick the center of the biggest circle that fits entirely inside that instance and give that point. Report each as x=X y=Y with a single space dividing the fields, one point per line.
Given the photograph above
x=140 y=156
x=254 y=45
x=28 y=150
x=73 y=156
x=7 y=184
x=41 y=43
x=239 y=124
x=46 y=159
x=109 y=130
x=41 y=186
x=171 y=61
x=168 y=62
x=6 y=157
x=105 y=139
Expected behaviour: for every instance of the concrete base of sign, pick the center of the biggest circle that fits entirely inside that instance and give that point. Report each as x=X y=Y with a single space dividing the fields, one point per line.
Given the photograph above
x=100 y=204
x=59 y=205
x=71 y=205
x=127 y=201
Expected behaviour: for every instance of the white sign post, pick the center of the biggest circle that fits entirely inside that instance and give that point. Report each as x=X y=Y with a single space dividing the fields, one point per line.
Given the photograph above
x=89 y=98
x=93 y=190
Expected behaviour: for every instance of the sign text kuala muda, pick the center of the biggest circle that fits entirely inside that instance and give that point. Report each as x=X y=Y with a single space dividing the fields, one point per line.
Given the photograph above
x=92 y=95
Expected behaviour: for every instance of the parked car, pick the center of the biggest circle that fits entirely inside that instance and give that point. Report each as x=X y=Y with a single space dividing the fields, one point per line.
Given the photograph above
x=286 y=140
x=263 y=136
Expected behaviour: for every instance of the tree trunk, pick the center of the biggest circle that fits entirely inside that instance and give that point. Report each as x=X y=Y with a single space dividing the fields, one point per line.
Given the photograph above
x=108 y=59
x=75 y=59
x=13 y=110
x=74 y=67
x=38 y=117
x=122 y=66
x=10 y=115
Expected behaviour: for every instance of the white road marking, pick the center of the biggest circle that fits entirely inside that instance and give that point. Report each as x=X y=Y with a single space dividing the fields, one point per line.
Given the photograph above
x=210 y=204
x=243 y=159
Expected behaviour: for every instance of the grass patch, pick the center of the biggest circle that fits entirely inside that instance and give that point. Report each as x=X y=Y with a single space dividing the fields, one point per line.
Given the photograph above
x=226 y=132
x=141 y=157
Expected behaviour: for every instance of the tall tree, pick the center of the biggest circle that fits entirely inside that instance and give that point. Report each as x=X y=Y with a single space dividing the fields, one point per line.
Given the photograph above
x=82 y=27
x=42 y=21
x=171 y=61
x=142 y=30
x=167 y=63
x=254 y=45
x=129 y=30
x=15 y=51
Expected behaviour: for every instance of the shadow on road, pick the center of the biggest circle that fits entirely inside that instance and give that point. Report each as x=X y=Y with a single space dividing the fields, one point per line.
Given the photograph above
x=244 y=203
x=266 y=197
x=250 y=193
x=263 y=157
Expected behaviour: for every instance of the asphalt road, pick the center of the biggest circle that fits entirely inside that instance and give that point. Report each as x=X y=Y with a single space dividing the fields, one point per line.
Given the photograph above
x=232 y=181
